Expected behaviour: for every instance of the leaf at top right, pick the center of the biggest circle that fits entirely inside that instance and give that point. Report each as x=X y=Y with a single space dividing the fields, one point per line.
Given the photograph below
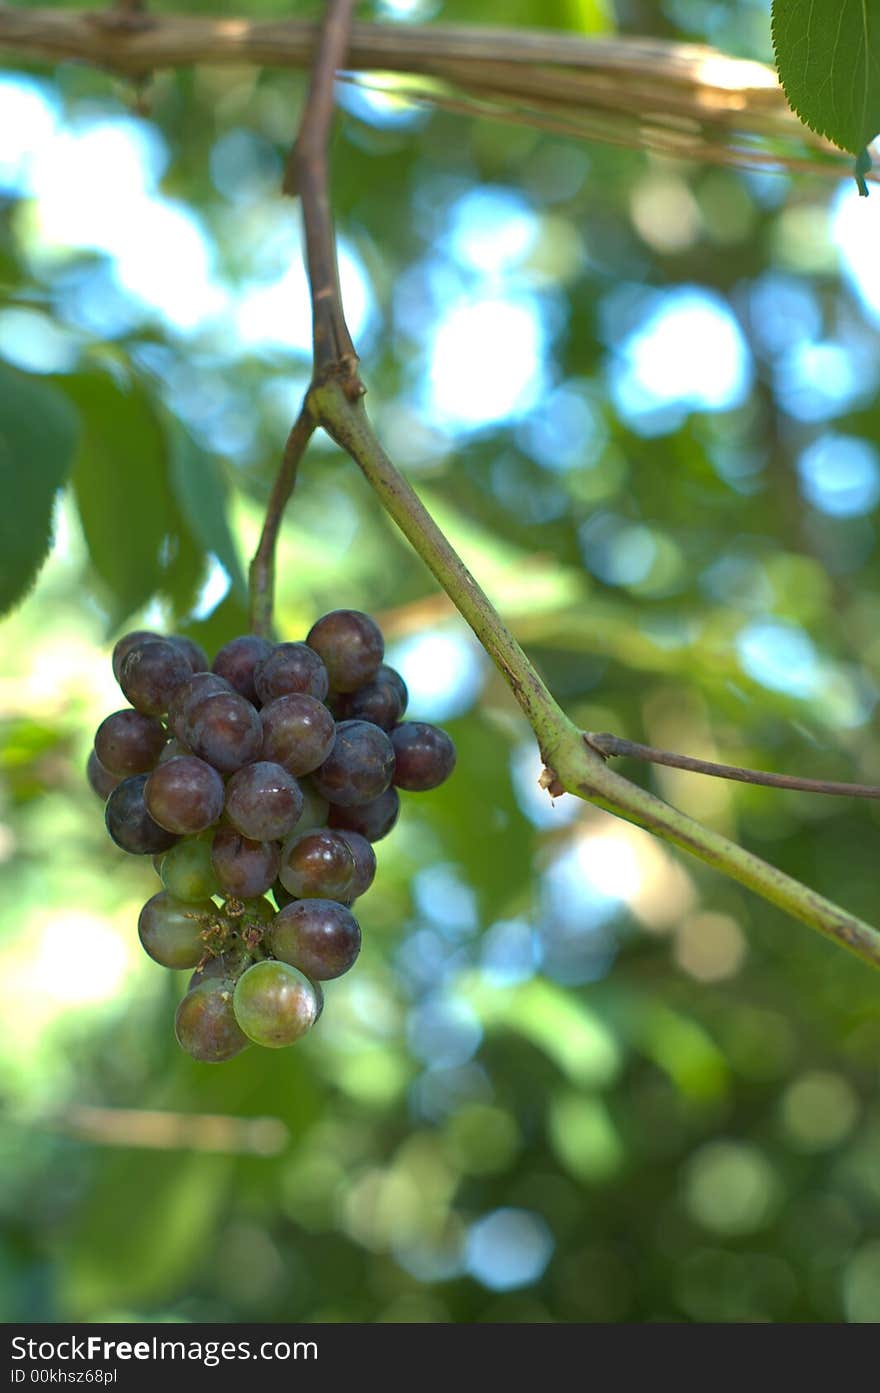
x=828 y=58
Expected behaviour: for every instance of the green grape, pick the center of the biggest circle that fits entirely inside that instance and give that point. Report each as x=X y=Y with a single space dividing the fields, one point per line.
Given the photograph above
x=171 y=930
x=187 y=870
x=274 y=1004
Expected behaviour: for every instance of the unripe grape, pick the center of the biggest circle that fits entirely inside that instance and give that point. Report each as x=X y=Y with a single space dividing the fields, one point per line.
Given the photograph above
x=205 y=1023
x=187 y=870
x=274 y=1004
x=170 y=931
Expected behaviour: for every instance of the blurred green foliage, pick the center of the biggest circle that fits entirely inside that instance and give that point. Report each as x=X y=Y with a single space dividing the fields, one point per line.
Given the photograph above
x=572 y=1077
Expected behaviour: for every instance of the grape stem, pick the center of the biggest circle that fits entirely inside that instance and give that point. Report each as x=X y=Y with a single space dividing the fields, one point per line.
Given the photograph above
x=334 y=401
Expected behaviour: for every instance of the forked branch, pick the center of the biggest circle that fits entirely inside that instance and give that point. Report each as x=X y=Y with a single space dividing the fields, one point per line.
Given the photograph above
x=334 y=402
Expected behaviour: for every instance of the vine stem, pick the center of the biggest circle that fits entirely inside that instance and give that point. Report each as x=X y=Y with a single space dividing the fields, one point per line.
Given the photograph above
x=261 y=575
x=334 y=401
x=615 y=746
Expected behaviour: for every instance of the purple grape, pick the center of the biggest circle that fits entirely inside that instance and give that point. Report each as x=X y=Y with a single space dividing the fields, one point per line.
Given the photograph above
x=274 y=1004
x=194 y=653
x=263 y=801
x=188 y=696
x=424 y=756
x=351 y=645
x=205 y=1023
x=381 y=701
x=372 y=820
x=358 y=768
x=129 y=823
x=225 y=731
x=318 y=865
x=364 y=860
x=243 y=867
x=129 y=742
x=171 y=932
x=101 y=781
x=298 y=732
x=236 y=662
x=150 y=674
x=291 y=667
x=127 y=643
x=184 y=795
x=320 y=937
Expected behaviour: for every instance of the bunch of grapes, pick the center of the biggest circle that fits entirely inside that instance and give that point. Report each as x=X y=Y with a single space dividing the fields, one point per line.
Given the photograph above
x=272 y=771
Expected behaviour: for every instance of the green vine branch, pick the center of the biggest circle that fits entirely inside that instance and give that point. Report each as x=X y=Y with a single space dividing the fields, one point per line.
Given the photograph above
x=575 y=764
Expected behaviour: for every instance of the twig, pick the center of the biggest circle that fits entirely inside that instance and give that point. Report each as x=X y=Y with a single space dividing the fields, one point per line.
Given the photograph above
x=306 y=175
x=261 y=575
x=612 y=746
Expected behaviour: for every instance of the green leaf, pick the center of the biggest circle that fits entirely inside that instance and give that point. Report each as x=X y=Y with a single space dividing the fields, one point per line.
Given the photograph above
x=120 y=480
x=201 y=492
x=37 y=440
x=828 y=57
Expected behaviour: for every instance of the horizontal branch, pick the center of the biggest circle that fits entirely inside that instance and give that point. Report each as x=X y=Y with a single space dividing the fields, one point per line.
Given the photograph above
x=683 y=100
x=614 y=746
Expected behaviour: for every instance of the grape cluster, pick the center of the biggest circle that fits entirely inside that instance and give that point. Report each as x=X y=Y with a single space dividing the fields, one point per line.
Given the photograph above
x=271 y=771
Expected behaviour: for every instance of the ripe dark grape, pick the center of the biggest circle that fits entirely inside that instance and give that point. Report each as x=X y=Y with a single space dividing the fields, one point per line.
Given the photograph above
x=100 y=779
x=225 y=730
x=150 y=674
x=188 y=696
x=359 y=766
x=171 y=930
x=244 y=868
x=205 y=1023
x=129 y=742
x=192 y=651
x=187 y=871
x=382 y=701
x=298 y=732
x=320 y=937
x=236 y=662
x=351 y=646
x=364 y=861
x=184 y=795
x=424 y=756
x=263 y=801
x=374 y=820
x=127 y=643
x=129 y=823
x=318 y=865
x=274 y=1004
x=291 y=667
